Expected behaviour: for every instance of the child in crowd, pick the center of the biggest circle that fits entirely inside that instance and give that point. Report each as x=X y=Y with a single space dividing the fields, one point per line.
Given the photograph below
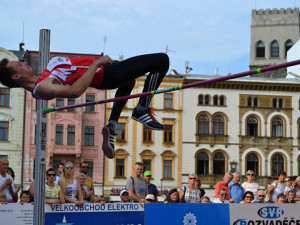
x=95 y=199
x=3 y=197
x=24 y=197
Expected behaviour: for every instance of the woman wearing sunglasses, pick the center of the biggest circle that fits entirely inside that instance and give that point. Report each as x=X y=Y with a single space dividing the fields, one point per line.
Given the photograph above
x=190 y=193
x=250 y=185
x=53 y=193
x=70 y=186
x=248 y=197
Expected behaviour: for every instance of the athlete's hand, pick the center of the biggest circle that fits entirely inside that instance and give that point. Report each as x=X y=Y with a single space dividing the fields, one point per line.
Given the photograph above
x=104 y=60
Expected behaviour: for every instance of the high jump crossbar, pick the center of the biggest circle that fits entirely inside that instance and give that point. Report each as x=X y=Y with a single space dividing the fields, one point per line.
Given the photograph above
x=159 y=91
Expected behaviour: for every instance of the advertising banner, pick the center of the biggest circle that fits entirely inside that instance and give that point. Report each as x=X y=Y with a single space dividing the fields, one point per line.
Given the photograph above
x=186 y=214
x=264 y=214
x=110 y=213
x=16 y=214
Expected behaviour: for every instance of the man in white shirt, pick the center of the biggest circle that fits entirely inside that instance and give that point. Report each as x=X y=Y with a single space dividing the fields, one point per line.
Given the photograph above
x=7 y=182
x=222 y=196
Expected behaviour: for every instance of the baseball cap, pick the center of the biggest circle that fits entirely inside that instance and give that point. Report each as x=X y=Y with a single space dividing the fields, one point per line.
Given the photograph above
x=150 y=197
x=147 y=173
x=123 y=191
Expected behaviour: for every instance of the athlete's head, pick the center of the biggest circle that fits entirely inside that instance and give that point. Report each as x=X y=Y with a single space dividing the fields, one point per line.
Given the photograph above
x=6 y=73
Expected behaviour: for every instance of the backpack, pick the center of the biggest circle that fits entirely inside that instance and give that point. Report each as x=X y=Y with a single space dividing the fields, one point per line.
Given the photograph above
x=183 y=199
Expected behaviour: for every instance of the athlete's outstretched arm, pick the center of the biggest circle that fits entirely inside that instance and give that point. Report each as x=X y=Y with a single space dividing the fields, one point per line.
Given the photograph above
x=48 y=90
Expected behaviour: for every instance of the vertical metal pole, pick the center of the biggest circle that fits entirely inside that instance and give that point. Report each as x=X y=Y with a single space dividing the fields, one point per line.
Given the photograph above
x=41 y=143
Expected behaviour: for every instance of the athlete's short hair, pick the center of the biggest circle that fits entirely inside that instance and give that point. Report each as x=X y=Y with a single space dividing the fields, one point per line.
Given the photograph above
x=6 y=73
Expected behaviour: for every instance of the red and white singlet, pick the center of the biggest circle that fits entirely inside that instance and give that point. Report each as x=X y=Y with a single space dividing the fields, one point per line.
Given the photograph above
x=67 y=70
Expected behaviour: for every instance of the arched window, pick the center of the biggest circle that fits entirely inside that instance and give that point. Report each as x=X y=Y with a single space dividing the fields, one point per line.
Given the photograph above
x=202 y=163
x=216 y=100
x=274 y=102
x=252 y=126
x=252 y=163
x=280 y=103
x=277 y=127
x=288 y=44
x=200 y=99
x=249 y=101
x=206 y=100
x=219 y=163
x=255 y=102
x=260 y=49
x=277 y=164
x=218 y=125
x=274 y=49
x=222 y=100
x=203 y=125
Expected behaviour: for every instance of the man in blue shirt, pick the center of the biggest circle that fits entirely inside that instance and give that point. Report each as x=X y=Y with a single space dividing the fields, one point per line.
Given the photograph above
x=151 y=187
x=235 y=189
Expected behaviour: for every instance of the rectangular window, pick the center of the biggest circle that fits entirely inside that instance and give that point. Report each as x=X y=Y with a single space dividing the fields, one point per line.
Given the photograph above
x=167 y=169
x=120 y=168
x=168 y=101
x=4 y=131
x=91 y=169
x=121 y=132
x=59 y=134
x=71 y=101
x=4 y=97
x=59 y=102
x=90 y=98
x=168 y=134
x=71 y=135
x=147 y=134
x=89 y=136
x=147 y=164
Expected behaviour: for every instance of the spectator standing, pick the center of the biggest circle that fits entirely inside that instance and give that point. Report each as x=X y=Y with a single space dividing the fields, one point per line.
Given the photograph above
x=6 y=182
x=70 y=186
x=281 y=198
x=11 y=172
x=198 y=185
x=277 y=187
x=150 y=198
x=236 y=191
x=260 y=198
x=60 y=169
x=222 y=193
x=173 y=196
x=136 y=184
x=290 y=197
x=151 y=187
x=84 y=168
x=297 y=189
x=250 y=185
x=190 y=193
x=224 y=184
x=124 y=196
x=288 y=185
x=53 y=192
x=82 y=178
x=248 y=197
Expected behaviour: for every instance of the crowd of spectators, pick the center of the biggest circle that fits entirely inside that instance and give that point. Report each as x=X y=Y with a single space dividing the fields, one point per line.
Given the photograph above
x=62 y=186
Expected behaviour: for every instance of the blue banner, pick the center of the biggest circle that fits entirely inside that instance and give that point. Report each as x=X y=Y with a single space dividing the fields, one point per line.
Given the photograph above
x=191 y=214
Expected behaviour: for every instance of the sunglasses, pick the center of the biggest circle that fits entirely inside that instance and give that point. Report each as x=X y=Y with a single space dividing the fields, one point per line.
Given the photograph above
x=85 y=167
x=286 y=181
x=148 y=176
x=249 y=197
x=250 y=174
x=192 y=178
x=51 y=174
x=222 y=194
x=261 y=196
x=69 y=167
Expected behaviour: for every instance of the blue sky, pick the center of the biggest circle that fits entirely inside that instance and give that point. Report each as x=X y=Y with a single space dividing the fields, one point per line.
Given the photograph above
x=208 y=33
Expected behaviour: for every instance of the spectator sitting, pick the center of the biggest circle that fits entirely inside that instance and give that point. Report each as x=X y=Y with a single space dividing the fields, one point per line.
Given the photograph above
x=248 y=197
x=70 y=186
x=173 y=196
x=3 y=197
x=260 y=197
x=205 y=199
x=190 y=193
x=235 y=189
x=136 y=185
x=82 y=179
x=281 y=198
x=288 y=185
x=224 y=184
x=53 y=192
x=250 y=185
x=151 y=187
x=11 y=172
x=277 y=187
x=150 y=198
x=83 y=193
x=6 y=182
x=60 y=169
x=198 y=185
x=124 y=196
x=222 y=193
x=291 y=197
x=95 y=199
x=25 y=197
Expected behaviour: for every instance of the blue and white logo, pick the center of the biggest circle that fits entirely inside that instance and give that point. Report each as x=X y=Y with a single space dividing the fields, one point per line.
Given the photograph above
x=240 y=222
x=189 y=219
x=64 y=222
x=270 y=212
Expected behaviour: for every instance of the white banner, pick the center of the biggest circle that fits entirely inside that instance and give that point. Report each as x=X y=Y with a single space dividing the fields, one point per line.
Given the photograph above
x=16 y=214
x=264 y=214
